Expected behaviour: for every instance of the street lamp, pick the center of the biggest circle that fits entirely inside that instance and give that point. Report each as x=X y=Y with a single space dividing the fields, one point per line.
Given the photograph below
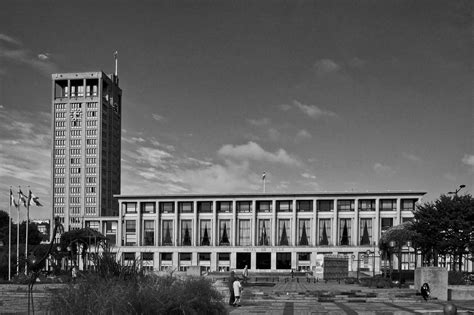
x=455 y=192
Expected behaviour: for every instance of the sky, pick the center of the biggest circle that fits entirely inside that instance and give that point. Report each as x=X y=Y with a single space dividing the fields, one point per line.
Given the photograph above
x=320 y=95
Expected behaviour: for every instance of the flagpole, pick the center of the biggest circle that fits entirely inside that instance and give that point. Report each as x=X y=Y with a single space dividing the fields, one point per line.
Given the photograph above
x=10 y=195
x=263 y=178
x=27 y=227
x=18 y=235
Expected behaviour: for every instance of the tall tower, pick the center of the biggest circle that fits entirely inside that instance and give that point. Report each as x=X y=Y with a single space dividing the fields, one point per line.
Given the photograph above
x=86 y=146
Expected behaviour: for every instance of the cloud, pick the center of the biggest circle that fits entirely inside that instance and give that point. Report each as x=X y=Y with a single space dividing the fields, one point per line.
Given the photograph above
x=312 y=110
x=308 y=176
x=303 y=134
x=252 y=151
x=356 y=63
x=13 y=50
x=284 y=107
x=383 y=170
x=133 y=139
x=259 y=122
x=152 y=156
x=411 y=157
x=325 y=66
x=158 y=117
x=468 y=159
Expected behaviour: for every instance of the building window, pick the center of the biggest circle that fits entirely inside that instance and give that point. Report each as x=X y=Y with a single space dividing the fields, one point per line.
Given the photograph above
x=284 y=232
x=325 y=205
x=129 y=207
x=304 y=232
x=167 y=233
x=345 y=205
x=304 y=256
x=244 y=206
x=185 y=256
x=111 y=233
x=147 y=207
x=205 y=233
x=167 y=257
x=264 y=206
x=185 y=207
x=166 y=207
x=325 y=232
x=186 y=233
x=128 y=258
x=304 y=205
x=264 y=234
x=224 y=206
x=244 y=233
x=204 y=256
x=365 y=231
x=224 y=232
x=147 y=261
x=345 y=232
x=408 y=204
x=284 y=206
x=388 y=204
x=149 y=233
x=386 y=223
x=130 y=232
x=204 y=206
x=367 y=205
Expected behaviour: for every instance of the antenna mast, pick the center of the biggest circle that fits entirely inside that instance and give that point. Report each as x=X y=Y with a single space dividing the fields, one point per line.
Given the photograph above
x=116 y=62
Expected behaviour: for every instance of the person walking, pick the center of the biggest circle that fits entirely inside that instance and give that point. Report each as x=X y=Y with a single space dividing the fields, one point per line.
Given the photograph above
x=74 y=273
x=237 y=292
x=230 y=284
x=245 y=274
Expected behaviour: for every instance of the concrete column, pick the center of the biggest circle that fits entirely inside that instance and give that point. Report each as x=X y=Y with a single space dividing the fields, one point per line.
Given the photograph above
x=274 y=260
x=213 y=261
x=356 y=225
x=233 y=228
x=233 y=260
x=215 y=226
x=253 y=225
x=139 y=224
x=195 y=241
x=253 y=260
x=175 y=261
x=274 y=225
x=294 y=260
x=314 y=229
x=335 y=225
x=194 y=259
x=157 y=225
x=120 y=232
x=294 y=235
x=176 y=241
x=376 y=225
x=399 y=213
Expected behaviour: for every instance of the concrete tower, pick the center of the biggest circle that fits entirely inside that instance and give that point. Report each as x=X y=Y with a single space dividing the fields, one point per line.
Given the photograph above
x=86 y=146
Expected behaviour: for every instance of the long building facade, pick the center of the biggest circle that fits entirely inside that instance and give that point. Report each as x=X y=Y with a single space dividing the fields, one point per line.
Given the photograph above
x=86 y=148
x=266 y=232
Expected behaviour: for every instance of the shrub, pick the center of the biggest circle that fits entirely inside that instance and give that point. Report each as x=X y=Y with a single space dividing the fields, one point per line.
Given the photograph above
x=146 y=294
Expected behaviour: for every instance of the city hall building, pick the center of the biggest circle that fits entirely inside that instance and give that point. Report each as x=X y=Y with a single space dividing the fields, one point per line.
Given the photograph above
x=268 y=231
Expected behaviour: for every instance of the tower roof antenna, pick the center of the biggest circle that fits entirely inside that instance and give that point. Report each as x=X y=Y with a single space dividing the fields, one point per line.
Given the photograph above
x=116 y=63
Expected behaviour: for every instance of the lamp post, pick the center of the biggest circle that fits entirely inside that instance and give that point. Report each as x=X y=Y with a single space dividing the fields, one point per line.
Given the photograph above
x=455 y=192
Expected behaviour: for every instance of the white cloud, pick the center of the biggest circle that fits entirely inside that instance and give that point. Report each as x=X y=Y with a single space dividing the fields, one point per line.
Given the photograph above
x=9 y=39
x=308 y=176
x=152 y=156
x=158 y=117
x=383 y=170
x=133 y=139
x=325 y=66
x=411 y=157
x=284 y=107
x=303 y=134
x=259 y=122
x=252 y=151
x=468 y=159
x=313 y=111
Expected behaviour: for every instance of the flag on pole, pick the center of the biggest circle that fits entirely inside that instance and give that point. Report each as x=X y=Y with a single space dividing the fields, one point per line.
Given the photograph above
x=12 y=200
x=264 y=175
x=33 y=200
x=23 y=198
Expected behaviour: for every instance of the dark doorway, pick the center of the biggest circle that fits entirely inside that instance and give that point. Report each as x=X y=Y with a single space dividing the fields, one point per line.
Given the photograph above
x=242 y=260
x=264 y=261
x=283 y=260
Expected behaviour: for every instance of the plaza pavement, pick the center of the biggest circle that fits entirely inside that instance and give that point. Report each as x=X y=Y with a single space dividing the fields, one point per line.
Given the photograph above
x=303 y=298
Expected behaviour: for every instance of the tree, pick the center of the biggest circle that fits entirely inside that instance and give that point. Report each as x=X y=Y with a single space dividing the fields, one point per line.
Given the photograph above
x=445 y=227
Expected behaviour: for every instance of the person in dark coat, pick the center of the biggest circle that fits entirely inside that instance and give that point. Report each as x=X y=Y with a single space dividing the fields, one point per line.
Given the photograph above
x=425 y=291
x=230 y=285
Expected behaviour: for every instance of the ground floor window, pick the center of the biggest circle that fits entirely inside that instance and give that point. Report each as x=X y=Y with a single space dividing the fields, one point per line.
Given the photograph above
x=243 y=259
x=283 y=260
x=264 y=261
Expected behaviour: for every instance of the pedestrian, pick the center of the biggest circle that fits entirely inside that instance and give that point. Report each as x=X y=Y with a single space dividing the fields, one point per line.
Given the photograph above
x=237 y=292
x=74 y=273
x=230 y=284
x=245 y=274
x=425 y=291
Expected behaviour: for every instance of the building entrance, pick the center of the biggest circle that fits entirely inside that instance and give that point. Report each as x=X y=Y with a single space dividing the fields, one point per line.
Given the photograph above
x=283 y=261
x=264 y=261
x=242 y=260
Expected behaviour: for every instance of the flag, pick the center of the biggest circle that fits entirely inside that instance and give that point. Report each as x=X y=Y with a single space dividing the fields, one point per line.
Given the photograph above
x=12 y=200
x=33 y=200
x=264 y=175
x=116 y=54
x=23 y=198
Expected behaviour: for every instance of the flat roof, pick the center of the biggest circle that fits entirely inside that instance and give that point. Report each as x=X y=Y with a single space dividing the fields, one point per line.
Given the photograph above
x=274 y=195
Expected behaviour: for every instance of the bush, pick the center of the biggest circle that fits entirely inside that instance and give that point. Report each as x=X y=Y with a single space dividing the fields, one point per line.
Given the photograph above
x=146 y=294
